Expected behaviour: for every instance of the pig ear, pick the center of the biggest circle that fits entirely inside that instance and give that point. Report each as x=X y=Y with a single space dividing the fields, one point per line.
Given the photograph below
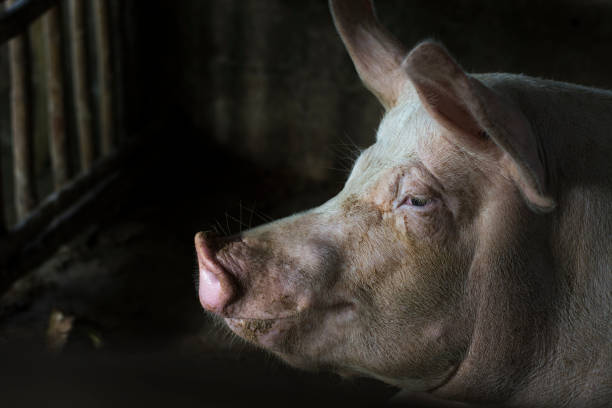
x=481 y=120
x=377 y=55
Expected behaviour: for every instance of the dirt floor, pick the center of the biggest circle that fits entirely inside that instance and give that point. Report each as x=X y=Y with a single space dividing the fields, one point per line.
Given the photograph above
x=112 y=319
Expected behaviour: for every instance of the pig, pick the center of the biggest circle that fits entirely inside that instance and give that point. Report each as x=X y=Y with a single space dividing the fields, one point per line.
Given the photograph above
x=468 y=257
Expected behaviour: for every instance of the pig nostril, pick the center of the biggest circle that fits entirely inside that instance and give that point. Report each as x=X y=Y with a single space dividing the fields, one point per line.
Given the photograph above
x=216 y=287
x=211 y=292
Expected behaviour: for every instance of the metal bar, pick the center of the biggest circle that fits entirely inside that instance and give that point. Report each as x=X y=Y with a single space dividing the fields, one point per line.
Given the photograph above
x=104 y=74
x=25 y=195
x=29 y=242
x=3 y=223
x=55 y=100
x=3 y=226
x=79 y=72
x=64 y=212
x=117 y=11
x=16 y=19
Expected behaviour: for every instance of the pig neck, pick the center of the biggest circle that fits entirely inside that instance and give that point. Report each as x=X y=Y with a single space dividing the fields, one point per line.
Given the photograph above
x=541 y=302
x=576 y=131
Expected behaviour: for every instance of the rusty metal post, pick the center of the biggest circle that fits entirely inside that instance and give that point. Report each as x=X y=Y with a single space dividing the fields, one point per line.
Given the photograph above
x=104 y=74
x=25 y=192
x=79 y=72
x=55 y=101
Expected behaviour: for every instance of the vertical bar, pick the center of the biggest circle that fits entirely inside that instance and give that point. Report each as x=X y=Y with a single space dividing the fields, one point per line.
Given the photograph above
x=25 y=195
x=104 y=74
x=79 y=72
x=3 y=224
x=3 y=221
x=116 y=18
x=55 y=90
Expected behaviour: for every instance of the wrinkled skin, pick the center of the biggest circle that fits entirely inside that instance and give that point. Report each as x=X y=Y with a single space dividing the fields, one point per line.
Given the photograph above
x=359 y=272
x=446 y=264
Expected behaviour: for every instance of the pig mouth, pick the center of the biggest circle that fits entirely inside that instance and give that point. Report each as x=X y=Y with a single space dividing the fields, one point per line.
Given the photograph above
x=267 y=333
x=272 y=333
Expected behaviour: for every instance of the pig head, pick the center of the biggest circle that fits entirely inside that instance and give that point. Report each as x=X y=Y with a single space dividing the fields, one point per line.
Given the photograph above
x=468 y=254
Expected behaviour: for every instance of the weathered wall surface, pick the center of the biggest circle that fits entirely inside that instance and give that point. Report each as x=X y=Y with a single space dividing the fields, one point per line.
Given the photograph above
x=271 y=78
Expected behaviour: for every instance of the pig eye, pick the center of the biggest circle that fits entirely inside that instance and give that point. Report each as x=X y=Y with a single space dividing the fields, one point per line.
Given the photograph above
x=417 y=201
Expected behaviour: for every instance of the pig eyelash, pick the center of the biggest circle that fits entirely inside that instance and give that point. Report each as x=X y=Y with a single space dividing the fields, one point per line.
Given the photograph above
x=419 y=203
x=415 y=202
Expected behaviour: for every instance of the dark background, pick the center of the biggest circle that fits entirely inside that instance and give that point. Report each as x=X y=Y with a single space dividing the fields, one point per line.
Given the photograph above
x=244 y=110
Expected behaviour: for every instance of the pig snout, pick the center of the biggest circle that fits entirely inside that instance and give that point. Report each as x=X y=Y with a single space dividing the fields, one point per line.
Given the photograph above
x=216 y=287
x=243 y=277
x=272 y=290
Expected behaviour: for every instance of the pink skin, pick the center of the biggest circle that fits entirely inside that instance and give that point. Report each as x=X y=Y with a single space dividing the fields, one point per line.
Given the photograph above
x=216 y=289
x=371 y=282
x=316 y=288
x=435 y=269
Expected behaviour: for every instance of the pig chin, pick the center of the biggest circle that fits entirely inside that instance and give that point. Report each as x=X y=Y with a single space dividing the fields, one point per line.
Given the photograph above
x=267 y=333
x=298 y=338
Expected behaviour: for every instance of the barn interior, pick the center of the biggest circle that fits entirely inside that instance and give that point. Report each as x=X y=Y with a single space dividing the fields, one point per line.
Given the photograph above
x=128 y=126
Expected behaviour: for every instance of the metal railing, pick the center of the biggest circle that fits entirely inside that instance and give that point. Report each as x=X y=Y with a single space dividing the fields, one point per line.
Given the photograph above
x=36 y=217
